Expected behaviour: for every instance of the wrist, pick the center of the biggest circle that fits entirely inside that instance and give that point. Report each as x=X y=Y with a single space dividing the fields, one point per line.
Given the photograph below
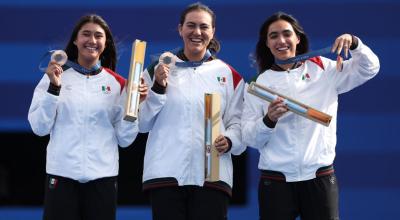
x=268 y=122
x=229 y=144
x=354 y=42
x=157 y=88
x=54 y=89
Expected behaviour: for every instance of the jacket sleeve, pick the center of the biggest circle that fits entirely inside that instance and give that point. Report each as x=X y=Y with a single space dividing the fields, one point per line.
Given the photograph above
x=363 y=65
x=232 y=117
x=151 y=106
x=125 y=131
x=43 y=110
x=255 y=133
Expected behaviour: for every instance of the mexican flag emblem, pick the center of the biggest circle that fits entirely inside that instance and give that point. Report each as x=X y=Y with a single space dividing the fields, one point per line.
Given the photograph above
x=221 y=79
x=306 y=77
x=106 y=89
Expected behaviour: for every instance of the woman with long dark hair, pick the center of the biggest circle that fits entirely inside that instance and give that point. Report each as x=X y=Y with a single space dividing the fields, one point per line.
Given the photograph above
x=81 y=106
x=297 y=154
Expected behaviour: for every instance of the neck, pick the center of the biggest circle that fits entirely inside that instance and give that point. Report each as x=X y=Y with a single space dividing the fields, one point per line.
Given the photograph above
x=87 y=64
x=193 y=56
x=285 y=67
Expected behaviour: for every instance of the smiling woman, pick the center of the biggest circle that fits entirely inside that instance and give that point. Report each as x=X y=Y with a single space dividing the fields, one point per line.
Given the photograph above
x=174 y=162
x=90 y=42
x=297 y=155
x=82 y=107
x=196 y=31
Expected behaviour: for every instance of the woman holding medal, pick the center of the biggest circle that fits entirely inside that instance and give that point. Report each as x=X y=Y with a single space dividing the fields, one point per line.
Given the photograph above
x=173 y=114
x=296 y=154
x=82 y=107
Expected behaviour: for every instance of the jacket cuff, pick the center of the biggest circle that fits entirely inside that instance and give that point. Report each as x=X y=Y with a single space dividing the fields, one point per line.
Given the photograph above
x=157 y=88
x=229 y=144
x=268 y=122
x=354 y=42
x=53 y=89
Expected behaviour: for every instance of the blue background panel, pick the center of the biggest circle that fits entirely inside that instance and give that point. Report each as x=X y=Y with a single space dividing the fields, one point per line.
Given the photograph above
x=368 y=117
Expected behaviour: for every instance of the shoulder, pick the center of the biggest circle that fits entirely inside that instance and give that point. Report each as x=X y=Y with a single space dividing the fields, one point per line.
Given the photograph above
x=121 y=80
x=318 y=61
x=263 y=76
x=236 y=76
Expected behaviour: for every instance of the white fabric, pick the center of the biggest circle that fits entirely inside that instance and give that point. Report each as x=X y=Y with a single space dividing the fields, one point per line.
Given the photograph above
x=297 y=146
x=175 y=146
x=85 y=124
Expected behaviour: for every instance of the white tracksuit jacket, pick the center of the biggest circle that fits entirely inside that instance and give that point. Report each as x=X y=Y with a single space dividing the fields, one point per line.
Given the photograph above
x=84 y=122
x=297 y=146
x=175 y=146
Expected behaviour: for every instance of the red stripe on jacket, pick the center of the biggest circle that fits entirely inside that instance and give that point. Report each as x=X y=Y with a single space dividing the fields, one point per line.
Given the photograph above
x=119 y=78
x=317 y=60
x=235 y=76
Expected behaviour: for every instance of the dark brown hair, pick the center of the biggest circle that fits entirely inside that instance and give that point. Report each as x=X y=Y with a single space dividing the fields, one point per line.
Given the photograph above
x=108 y=58
x=264 y=57
x=214 y=46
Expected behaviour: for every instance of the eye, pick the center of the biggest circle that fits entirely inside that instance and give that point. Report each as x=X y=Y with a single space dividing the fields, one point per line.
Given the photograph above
x=191 y=25
x=272 y=36
x=98 y=36
x=204 y=27
x=287 y=34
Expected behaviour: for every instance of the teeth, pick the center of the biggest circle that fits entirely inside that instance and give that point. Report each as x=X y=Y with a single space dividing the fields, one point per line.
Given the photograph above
x=91 y=48
x=196 y=40
x=283 y=48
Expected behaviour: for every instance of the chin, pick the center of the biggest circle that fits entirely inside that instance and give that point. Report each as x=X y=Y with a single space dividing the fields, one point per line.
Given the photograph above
x=195 y=50
x=285 y=56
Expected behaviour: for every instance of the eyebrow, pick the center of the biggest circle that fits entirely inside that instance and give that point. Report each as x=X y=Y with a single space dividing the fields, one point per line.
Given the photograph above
x=95 y=32
x=284 y=31
x=201 y=24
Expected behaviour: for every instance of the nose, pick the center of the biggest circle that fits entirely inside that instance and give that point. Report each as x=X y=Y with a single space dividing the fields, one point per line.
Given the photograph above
x=197 y=30
x=92 y=39
x=281 y=39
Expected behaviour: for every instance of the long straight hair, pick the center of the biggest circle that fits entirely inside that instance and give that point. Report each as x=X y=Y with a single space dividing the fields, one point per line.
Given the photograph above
x=264 y=57
x=108 y=58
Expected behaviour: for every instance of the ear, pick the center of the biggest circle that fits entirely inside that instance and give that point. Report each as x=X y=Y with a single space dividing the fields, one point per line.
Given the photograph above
x=298 y=39
x=74 y=42
x=180 y=30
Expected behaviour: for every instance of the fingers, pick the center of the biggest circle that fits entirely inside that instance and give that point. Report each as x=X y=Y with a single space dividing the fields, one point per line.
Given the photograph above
x=54 y=68
x=221 y=144
x=339 y=45
x=143 y=90
x=54 y=71
x=343 y=42
x=339 y=63
x=346 y=49
x=276 y=109
x=161 y=74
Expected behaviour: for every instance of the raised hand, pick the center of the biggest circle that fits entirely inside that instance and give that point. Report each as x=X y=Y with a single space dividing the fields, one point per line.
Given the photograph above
x=343 y=42
x=161 y=74
x=54 y=71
